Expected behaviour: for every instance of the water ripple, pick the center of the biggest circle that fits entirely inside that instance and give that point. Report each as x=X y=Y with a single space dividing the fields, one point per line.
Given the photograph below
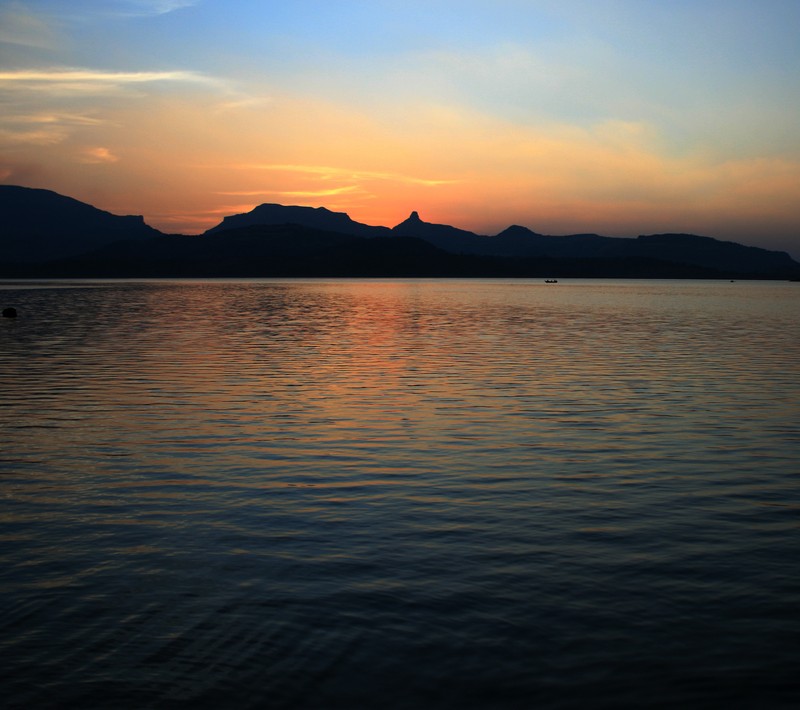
x=313 y=494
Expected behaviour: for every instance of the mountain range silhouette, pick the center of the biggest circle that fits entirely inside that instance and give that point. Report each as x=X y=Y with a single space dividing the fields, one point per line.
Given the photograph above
x=46 y=234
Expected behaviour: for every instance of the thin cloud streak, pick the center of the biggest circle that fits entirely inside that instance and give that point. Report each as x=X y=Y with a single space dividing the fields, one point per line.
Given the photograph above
x=54 y=118
x=328 y=172
x=44 y=128
x=92 y=76
x=21 y=28
x=295 y=193
x=48 y=136
x=248 y=102
x=130 y=9
x=162 y=7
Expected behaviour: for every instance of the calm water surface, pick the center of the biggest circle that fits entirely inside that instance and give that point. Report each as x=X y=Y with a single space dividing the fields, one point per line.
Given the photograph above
x=391 y=494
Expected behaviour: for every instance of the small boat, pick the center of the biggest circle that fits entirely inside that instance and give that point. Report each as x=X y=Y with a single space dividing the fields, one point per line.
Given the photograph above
x=551 y=281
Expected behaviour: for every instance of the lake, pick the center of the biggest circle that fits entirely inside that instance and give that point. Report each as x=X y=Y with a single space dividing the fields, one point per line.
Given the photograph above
x=400 y=494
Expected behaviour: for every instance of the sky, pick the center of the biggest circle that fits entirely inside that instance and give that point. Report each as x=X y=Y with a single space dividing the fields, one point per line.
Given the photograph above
x=620 y=117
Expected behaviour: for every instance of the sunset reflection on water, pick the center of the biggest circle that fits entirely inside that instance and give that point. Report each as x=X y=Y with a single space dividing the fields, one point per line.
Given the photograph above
x=395 y=493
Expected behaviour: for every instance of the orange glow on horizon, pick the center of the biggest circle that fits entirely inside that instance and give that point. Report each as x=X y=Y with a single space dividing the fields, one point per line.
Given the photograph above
x=455 y=167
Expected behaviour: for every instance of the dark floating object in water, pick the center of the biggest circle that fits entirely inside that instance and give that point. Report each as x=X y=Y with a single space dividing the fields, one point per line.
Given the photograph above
x=551 y=281
x=9 y=313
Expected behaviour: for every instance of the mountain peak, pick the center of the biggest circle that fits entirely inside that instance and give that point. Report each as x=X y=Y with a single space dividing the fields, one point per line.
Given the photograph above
x=315 y=217
x=415 y=227
x=413 y=222
x=515 y=230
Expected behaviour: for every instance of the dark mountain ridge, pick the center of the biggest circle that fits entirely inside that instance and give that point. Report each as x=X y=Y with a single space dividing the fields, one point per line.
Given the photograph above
x=292 y=250
x=517 y=241
x=41 y=225
x=57 y=235
x=314 y=217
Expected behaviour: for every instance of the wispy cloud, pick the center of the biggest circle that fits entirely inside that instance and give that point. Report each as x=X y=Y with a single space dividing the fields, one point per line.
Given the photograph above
x=99 y=155
x=70 y=119
x=43 y=128
x=20 y=27
x=146 y=8
x=328 y=172
x=91 y=80
x=247 y=102
x=295 y=193
x=51 y=135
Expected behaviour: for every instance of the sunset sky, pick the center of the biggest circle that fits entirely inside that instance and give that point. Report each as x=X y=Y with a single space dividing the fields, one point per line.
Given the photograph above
x=622 y=117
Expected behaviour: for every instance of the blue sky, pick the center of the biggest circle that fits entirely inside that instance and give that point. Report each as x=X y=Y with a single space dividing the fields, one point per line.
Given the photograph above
x=614 y=116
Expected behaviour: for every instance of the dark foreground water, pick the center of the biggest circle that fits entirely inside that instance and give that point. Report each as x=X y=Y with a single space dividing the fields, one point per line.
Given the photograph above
x=401 y=494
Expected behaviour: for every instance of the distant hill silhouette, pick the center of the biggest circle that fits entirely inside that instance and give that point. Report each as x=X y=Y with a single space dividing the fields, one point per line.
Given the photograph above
x=433 y=233
x=519 y=241
x=315 y=217
x=295 y=250
x=40 y=225
x=46 y=234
